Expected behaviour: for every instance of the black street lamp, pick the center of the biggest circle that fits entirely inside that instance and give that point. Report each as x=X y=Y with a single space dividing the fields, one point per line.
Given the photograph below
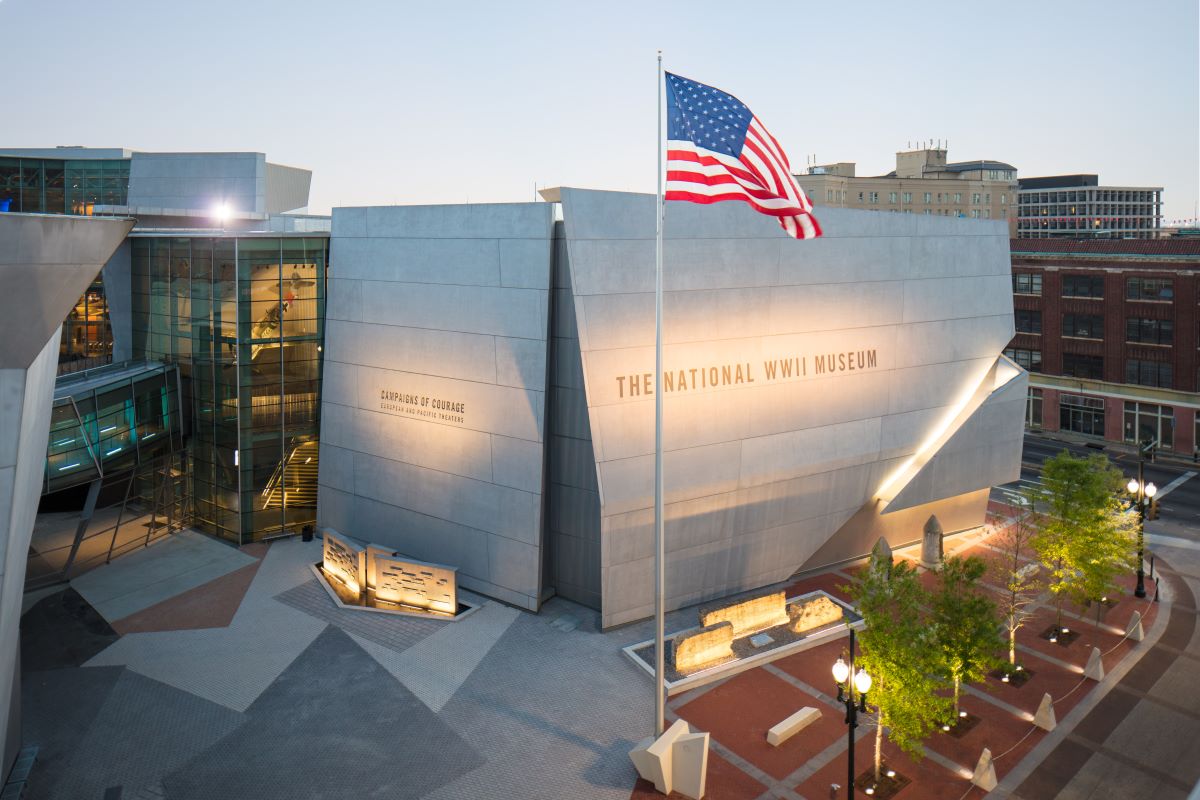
x=1142 y=493
x=862 y=682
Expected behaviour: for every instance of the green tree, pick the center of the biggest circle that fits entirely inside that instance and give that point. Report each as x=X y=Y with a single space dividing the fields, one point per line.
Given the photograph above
x=966 y=636
x=1021 y=581
x=1085 y=538
x=897 y=654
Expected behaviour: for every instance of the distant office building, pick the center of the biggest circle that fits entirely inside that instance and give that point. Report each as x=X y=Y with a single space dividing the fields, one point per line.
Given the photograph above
x=1076 y=206
x=1108 y=331
x=922 y=183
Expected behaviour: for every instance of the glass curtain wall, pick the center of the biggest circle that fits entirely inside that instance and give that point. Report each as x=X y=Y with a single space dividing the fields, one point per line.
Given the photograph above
x=244 y=319
x=55 y=186
x=87 y=332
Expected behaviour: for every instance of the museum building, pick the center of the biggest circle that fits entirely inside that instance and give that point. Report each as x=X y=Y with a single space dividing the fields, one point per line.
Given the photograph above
x=473 y=385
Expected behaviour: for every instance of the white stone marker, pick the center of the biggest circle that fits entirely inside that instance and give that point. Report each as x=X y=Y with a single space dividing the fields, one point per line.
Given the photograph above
x=1134 y=631
x=1095 y=667
x=931 y=544
x=782 y=731
x=690 y=765
x=985 y=772
x=676 y=761
x=653 y=758
x=1044 y=718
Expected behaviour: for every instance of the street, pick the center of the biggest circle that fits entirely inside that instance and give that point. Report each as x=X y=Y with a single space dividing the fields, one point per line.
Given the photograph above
x=1178 y=481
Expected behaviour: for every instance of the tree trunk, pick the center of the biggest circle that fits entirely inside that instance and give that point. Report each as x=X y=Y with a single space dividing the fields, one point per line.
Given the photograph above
x=957 y=683
x=1012 y=645
x=878 y=744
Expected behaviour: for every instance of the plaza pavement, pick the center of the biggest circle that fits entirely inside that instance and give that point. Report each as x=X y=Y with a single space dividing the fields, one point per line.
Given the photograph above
x=252 y=683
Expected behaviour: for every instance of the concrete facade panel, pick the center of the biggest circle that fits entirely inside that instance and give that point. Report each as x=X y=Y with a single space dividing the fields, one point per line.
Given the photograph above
x=762 y=473
x=464 y=262
x=444 y=327
x=466 y=309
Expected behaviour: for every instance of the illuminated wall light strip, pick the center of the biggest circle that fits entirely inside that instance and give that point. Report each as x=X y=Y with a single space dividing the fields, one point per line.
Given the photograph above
x=64 y=441
x=109 y=428
x=942 y=433
x=68 y=466
x=115 y=450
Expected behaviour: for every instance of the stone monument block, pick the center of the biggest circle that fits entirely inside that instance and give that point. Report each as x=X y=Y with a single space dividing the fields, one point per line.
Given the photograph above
x=881 y=556
x=419 y=584
x=344 y=561
x=932 y=544
x=749 y=615
x=812 y=614
x=696 y=650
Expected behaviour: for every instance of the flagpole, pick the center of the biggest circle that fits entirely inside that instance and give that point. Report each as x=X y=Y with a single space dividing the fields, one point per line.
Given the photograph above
x=660 y=577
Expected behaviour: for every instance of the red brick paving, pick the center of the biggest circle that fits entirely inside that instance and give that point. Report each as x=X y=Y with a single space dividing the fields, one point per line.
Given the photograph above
x=997 y=731
x=724 y=782
x=210 y=605
x=814 y=666
x=739 y=712
x=931 y=781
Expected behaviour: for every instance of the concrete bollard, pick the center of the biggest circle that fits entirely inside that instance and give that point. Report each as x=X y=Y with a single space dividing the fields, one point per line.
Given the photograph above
x=1134 y=631
x=1095 y=666
x=1044 y=718
x=985 y=772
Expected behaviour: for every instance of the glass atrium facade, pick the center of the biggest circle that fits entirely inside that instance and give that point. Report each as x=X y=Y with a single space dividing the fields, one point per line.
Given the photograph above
x=87 y=339
x=243 y=317
x=62 y=186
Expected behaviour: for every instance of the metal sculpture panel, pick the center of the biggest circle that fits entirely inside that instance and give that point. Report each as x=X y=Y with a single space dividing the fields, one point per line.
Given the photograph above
x=416 y=583
x=345 y=561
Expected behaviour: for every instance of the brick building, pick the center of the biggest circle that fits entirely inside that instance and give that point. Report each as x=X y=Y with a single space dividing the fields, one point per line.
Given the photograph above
x=1108 y=329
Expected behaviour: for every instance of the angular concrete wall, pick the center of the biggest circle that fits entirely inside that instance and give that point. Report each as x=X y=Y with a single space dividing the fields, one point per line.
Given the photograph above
x=434 y=390
x=199 y=181
x=46 y=262
x=764 y=470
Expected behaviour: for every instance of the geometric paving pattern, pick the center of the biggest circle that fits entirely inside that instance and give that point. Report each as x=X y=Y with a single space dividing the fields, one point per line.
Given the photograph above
x=143 y=730
x=334 y=724
x=295 y=698
x=58 y=707
x=387 y=630
x=435 y=667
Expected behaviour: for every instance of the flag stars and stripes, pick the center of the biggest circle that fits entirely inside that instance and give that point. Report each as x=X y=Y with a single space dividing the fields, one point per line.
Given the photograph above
x=718 y=150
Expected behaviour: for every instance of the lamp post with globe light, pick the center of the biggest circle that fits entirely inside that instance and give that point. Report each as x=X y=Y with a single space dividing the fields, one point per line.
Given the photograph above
x=846 y=689
x=1142 y=493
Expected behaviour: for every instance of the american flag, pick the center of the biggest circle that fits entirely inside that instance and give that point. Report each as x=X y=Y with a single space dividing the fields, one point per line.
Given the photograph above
x=717 y=150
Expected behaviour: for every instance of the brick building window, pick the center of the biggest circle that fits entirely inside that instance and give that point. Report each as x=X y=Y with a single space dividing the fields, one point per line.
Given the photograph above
x=1162 y=289
x=1083 y=286
x=1083 y=326
x=1027 y=283
x=1145 y=422
x=1081 y=366
x=1081 y=414
x=1148 y=373
x=1028 y=321
x=1150 y=331
x=1031 y=360
x=1033 y=408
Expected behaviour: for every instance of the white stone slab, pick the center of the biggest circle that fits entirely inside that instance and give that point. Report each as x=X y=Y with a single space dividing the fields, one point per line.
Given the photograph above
x=781 y=731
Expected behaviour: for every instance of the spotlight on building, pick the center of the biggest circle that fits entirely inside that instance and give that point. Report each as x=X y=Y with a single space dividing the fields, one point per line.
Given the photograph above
x=221 y=212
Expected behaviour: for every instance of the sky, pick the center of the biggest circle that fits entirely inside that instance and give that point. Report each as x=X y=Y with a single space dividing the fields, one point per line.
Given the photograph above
x=450 y=102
